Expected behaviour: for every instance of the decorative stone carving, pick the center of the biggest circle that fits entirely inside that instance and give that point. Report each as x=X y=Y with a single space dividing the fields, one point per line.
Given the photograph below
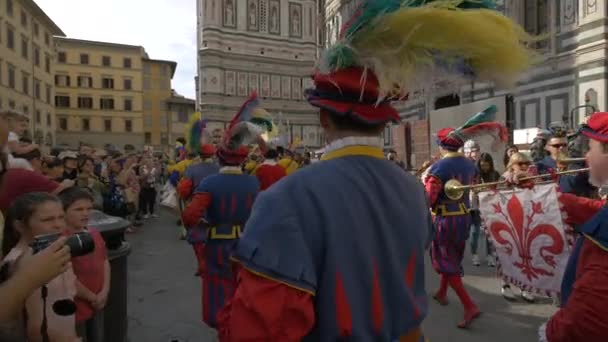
x=230 y=13
x=286 y=87
x=242 y=85
x=295 y=20
x=569 y=12
x=274 y=24
x=276 y=86
x=296 y=88
x=265 y=85
x=230 y=83
x=254 y=83
x=590 y=6
x=252 y=15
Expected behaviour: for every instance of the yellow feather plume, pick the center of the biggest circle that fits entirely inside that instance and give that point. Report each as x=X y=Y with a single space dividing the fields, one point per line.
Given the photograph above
x=400 y=46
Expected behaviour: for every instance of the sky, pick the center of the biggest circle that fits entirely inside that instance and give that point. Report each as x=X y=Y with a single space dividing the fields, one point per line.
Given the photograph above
x=165 y=28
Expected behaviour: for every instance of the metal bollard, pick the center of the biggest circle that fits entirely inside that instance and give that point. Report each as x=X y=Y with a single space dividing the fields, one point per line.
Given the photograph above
x=115 y=313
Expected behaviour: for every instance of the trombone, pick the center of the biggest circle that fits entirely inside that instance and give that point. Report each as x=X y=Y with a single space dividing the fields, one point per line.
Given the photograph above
x=454 y=190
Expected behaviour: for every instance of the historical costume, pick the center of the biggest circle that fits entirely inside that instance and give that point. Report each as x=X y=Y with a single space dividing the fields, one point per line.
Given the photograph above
x=180 y=149
x=584 y=296
x=269 y=172
x=336 y=250
x=193 y=176
x=222 y=204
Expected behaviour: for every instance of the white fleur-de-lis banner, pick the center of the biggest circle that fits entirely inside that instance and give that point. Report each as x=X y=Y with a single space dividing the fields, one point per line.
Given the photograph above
x=528 y=232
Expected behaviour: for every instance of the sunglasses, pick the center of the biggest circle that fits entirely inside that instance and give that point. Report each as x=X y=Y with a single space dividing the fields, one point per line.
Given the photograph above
x=559 y=145
x=523 y=164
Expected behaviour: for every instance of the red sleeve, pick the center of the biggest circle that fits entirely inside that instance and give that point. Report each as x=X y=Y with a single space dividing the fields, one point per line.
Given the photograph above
x=265 y=310
x=583 y=317
x=579 y=209
x=433 y=188
x=184 y=188
x=195 y=210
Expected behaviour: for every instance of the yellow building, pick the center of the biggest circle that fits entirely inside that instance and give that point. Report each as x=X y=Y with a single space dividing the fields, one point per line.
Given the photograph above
x=157 y=91
x=181 y=109
x=27 y=58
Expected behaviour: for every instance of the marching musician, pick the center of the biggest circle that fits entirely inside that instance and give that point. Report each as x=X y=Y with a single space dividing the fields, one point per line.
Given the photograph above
x=584 y=294
x=452 y=220
x=222 y=203
x=557 y=147
x=193 y=176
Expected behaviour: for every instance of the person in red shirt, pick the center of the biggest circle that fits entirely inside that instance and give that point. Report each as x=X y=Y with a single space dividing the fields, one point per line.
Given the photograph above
x=92 y=270
x=269 y=172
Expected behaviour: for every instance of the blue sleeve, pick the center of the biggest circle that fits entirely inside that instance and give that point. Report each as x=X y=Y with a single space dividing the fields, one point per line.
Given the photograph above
x=203 y=186
x=274 y=246
x=174 y=178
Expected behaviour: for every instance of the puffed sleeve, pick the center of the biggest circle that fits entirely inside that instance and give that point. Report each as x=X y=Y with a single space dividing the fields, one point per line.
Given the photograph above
x=196 y=208
x=579 y=209
x=265 y=310
x=583 y=316
x=433 y=186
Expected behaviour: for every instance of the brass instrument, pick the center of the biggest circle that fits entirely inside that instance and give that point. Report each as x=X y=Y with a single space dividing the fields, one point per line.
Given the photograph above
x=454 y=190
x=564 y=159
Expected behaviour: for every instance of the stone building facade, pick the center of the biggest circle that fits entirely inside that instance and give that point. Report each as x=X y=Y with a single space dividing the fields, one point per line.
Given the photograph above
x=27 y=63
x=269 y=46
x=568 y=83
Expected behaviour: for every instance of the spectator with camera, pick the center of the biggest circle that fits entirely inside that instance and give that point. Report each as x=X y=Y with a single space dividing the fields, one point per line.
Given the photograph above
x=50 y=309
x=92 y=270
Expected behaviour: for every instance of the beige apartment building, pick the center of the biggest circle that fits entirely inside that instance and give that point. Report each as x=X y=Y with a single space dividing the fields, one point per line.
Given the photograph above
x=99 y=93
x=27 y=58
x=157 y=75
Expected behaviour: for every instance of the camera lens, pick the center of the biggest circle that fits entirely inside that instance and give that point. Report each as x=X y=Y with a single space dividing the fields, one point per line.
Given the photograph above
x=80 y=244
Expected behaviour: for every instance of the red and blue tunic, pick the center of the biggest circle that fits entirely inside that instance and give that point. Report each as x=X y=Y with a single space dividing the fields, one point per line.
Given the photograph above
x=451 y=217
x=223 y=203
x=334 y=252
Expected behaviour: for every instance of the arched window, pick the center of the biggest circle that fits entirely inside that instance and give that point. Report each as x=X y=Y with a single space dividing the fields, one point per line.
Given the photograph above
x=591 y=101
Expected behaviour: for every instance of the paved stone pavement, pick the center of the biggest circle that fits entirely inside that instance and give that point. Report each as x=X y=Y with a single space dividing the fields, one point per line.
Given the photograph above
x=164 y=297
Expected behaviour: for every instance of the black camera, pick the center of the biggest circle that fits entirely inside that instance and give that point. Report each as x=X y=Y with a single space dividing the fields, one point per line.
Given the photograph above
x=80 y=243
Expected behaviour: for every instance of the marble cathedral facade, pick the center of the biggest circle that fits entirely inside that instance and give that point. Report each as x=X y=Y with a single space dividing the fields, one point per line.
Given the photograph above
x=571 y=79
x=269 y=46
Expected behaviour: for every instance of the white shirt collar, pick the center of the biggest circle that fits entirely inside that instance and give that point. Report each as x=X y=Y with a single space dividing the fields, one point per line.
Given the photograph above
x=354 y=141
x=230 y=169
x=269 y=162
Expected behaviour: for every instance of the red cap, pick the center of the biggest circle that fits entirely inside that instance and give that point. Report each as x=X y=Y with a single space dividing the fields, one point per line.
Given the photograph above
x=207 y=150
x=597 y=127
x=352 y=92
x=447 y=140
x=231 y=157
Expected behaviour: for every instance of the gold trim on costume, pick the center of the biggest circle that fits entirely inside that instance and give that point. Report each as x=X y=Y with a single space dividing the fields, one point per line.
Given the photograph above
x=235 y=234
x=265 y=276
x=358 y=150
x=597 y=243
x=441 y=210
x=452 y=155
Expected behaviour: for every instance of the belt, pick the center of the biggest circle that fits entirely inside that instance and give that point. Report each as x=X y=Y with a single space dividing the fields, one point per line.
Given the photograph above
x=235 y=233
x=442 y=210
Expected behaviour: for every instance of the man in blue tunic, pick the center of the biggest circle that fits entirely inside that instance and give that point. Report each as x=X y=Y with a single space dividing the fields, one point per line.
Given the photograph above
x=335 y=251
x=222 y=204
x=452 y=220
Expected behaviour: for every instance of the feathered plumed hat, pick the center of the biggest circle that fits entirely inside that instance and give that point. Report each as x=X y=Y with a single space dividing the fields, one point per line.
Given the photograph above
x=246 y=127
x=390 y=47
x=480 y=124
x=198 y=138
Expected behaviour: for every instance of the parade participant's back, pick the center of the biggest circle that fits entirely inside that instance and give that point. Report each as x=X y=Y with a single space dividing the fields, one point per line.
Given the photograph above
x=335 y=251
x=356 y=239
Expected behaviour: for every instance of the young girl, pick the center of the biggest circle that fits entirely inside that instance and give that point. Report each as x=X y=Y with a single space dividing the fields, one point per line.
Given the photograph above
x=31 y=215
